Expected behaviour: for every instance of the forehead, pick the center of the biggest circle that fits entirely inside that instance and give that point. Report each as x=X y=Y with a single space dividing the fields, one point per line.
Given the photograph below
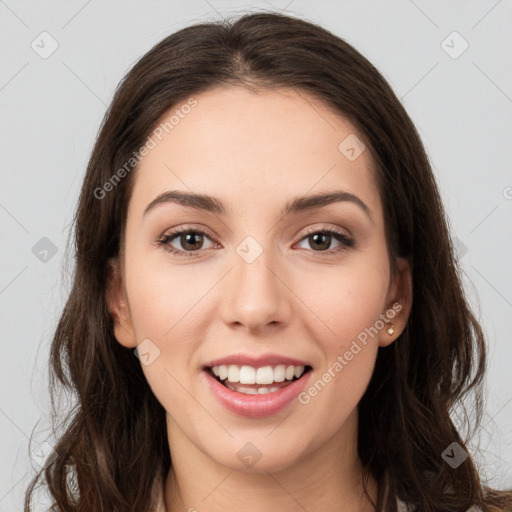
x=246 y=147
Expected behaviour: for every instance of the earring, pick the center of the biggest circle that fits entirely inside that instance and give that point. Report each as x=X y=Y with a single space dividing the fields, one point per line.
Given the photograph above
x=391 y=330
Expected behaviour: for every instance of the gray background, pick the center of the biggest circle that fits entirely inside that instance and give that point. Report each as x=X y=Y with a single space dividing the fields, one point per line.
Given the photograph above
x=51 y=109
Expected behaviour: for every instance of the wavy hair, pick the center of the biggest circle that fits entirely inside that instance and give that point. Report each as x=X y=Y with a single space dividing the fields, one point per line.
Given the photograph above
x=112 y=445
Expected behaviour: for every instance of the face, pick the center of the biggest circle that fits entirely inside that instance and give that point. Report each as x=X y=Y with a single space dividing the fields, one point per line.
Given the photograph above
x=251 y=283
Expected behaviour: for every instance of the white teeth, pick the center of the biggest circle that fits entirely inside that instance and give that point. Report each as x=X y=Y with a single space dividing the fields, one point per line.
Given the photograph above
x=247 y=375
x=234 y=373
x=252 y=391
x=279 y=373
x=264 y=375
x=241 y=389
x=223 y=371
x=298 y=371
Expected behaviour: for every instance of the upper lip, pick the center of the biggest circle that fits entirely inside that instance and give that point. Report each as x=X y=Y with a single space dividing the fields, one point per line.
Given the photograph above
x=256 y=361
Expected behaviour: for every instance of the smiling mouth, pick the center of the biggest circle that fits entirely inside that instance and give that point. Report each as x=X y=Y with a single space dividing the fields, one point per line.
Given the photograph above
x=257 y=381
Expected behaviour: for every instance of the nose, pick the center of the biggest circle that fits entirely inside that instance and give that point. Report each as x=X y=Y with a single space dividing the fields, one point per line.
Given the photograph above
x=257 y=297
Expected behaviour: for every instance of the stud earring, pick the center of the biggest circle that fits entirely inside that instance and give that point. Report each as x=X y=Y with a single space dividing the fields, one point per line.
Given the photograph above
x=391 y=330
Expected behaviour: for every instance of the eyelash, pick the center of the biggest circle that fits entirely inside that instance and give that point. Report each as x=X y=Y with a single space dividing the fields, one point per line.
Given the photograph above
x=165 y=240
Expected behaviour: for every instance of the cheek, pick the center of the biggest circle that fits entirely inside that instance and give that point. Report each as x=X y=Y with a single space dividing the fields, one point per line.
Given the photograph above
x=163 y=297
x=163 y=312
x=345 y=300
x=160 y=313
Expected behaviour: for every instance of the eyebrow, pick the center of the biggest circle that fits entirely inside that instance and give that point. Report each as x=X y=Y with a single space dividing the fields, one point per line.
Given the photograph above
x=296 y=205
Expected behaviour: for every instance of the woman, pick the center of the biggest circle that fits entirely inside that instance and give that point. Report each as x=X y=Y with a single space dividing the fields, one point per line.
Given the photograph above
x=266 y=311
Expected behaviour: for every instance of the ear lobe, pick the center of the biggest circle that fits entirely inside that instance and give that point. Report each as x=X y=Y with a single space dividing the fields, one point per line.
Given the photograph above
x=117 y=305
x=399 y=303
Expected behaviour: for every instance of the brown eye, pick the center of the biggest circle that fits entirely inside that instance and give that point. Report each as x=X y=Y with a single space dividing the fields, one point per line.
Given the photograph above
x=320 y=241
x=191 y=241
x=186 y=241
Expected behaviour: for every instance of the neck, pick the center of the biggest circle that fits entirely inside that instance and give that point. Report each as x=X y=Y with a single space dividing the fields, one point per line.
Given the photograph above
x=328 y=478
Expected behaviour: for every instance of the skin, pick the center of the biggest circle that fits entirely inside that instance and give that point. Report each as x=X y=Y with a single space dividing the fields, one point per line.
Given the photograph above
x=292 y=300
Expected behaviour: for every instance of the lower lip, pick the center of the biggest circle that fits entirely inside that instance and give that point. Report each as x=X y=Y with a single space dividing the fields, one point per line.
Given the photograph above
x=256 y=406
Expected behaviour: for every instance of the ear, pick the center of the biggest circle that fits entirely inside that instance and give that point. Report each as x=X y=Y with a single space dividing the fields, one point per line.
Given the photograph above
x=117 y=304
x=399 y=303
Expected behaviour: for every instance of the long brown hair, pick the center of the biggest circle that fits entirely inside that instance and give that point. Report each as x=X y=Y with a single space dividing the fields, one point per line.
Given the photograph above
x=113 y=445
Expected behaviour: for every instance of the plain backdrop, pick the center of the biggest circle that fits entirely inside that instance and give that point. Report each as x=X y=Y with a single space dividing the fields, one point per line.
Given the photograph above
x=457 y=88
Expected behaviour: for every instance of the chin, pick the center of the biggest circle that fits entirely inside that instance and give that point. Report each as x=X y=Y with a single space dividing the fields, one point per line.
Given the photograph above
x=258 y=454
